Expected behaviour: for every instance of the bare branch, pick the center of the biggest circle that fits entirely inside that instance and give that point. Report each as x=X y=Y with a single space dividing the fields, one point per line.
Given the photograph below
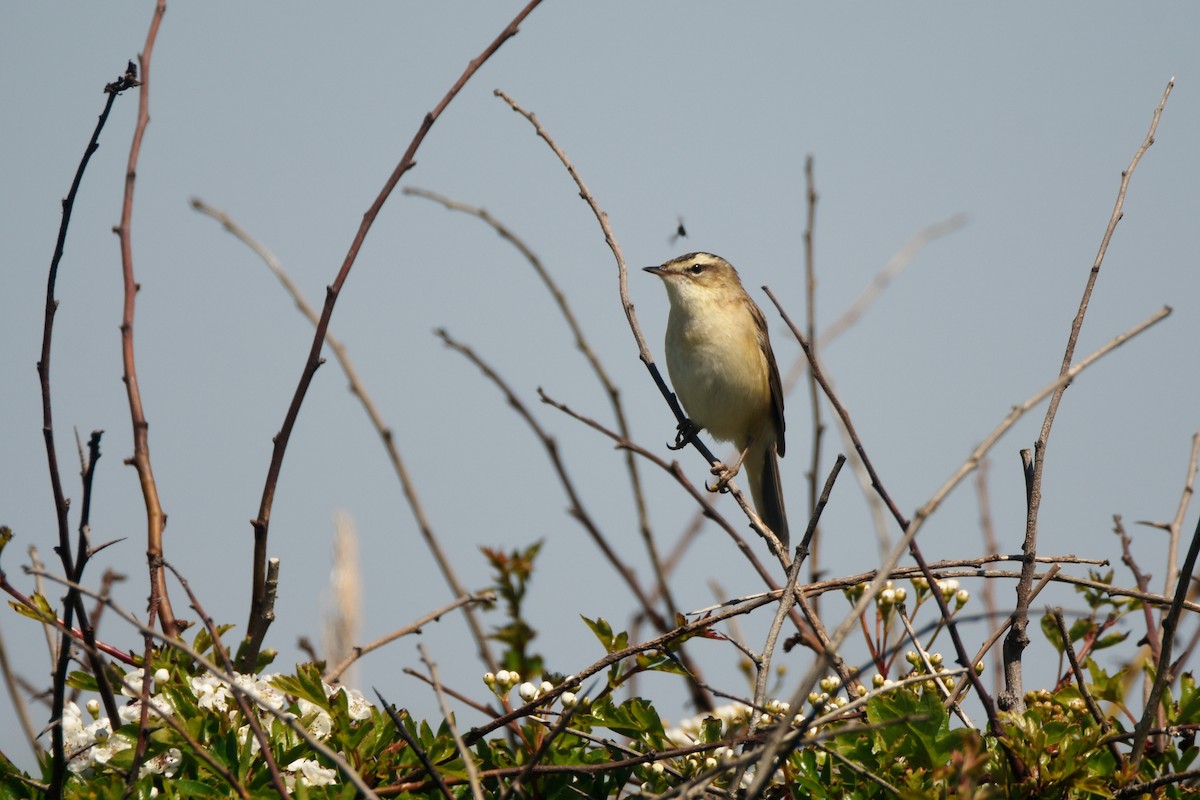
x=1017 y=640
x=259 y=621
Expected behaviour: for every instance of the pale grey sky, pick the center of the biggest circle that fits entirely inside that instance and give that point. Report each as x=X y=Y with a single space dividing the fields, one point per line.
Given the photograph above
x=291 y=116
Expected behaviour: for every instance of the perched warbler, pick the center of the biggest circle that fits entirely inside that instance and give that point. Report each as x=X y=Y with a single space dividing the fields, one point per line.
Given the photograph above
x=724 y=373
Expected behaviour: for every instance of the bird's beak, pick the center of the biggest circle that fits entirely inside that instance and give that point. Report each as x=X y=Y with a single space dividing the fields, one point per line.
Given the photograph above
x=659 y=271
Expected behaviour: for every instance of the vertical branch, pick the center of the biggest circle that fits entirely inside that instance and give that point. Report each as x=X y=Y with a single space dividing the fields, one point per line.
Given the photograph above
x=1176 y=524
x=73 y=604
x=260 y=614
x=1017 y=640
x=156 y=520
x=990 y=547
x=814 y=392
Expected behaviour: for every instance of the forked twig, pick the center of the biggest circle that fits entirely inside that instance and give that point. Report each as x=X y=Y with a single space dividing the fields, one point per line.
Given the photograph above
x=73 y=603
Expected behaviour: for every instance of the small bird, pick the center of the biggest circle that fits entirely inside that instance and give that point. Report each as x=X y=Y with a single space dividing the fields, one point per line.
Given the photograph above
x=721 y=365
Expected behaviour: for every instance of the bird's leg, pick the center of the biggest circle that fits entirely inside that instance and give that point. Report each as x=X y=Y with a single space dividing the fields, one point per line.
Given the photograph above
x=684 y=434
x=726 y=473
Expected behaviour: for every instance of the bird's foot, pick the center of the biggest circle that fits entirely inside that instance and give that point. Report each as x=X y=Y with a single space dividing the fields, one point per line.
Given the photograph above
x=684 y=434
x=724 y=475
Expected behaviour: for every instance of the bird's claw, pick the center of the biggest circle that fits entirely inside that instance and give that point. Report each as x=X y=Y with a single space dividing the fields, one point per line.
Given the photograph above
x=724 y=475
x=686 y=431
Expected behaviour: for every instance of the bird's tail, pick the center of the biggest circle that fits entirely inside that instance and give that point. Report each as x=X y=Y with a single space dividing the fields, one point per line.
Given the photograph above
x=767 y=492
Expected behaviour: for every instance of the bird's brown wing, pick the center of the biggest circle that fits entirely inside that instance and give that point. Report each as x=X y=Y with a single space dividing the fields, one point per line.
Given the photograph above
x=764 y=343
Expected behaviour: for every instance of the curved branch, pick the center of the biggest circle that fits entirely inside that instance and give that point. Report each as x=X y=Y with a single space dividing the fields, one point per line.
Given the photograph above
x=260 y=618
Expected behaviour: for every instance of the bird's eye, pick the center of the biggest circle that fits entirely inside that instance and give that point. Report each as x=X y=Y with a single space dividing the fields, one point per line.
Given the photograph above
x=696 y=269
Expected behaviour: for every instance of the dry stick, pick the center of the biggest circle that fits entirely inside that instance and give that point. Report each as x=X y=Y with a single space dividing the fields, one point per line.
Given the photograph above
x=1175 y=526
x=72 y=603
x=227 y=678
x=581 y=343
x=989 y=546
x=676 y=472
x=156 y=519
x=1143 y=584
x=786 y=599
x=1162 y=673
x=814 y=392
x=1081 y=682
x=1017 y=640
x=385 y=433
x=468 y=762
x=332 y=675
x=260 y=615
x=868 y=596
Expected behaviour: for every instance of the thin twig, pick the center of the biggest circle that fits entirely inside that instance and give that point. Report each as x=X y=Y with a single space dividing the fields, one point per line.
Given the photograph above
x=1143 y=584
x=1017 y=640
x=260 y=618
x=1175 y=527
x=430 y=769
x=786 y=599
x=814 y=392
x=358 y=389
x=1081 y=682
x=990 y=545
x=332 y=675
x=791 y=595
x=923 y=654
